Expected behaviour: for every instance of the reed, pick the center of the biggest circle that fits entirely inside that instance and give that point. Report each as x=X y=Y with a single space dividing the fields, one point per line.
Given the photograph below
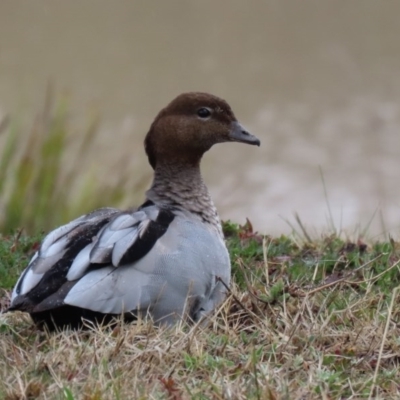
x=42 y=181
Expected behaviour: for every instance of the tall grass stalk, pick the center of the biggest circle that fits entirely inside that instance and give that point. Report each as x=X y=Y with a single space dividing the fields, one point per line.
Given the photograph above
x=39 y=188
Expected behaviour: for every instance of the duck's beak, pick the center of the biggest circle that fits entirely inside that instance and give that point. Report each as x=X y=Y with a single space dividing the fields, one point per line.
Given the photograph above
x=240 y=134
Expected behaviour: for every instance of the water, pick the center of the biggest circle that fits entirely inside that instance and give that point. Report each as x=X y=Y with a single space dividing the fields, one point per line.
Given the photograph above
x=318 y=82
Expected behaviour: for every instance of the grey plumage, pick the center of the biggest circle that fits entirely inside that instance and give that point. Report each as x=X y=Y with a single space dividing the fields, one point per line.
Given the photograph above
x=172 y=273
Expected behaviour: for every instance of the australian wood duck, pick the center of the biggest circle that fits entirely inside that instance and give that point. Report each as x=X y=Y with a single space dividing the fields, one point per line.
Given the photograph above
x=162 y=258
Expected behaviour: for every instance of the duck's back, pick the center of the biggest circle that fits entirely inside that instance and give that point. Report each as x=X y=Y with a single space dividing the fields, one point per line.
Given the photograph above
x=173 y=271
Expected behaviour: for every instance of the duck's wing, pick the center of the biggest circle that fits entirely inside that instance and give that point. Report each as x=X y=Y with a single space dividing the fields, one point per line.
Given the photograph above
x=100 y=241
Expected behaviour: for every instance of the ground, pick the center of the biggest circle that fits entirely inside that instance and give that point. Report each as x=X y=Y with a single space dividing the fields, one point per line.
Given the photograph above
x=305 y=319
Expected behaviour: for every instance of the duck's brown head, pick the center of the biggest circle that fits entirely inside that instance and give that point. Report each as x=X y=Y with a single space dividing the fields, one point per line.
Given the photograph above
x=193 y=122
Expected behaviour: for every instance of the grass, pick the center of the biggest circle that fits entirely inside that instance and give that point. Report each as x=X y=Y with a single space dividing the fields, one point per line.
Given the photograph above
x=39 y=172
x=304 y=320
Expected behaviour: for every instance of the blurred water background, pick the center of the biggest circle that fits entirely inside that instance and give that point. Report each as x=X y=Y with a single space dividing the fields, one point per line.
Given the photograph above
x=317 y=81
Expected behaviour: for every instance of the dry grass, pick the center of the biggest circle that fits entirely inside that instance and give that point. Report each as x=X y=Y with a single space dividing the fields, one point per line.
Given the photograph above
x=308 y=320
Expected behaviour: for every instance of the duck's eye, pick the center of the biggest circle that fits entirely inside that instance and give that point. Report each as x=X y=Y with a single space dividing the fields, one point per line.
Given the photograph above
x=203 y=112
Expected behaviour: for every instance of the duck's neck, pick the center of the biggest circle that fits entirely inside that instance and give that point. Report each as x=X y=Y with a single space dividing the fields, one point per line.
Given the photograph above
x=182 y=187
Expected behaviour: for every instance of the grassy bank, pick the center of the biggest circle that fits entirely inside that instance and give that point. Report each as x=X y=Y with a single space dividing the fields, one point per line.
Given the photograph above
x=305 y=319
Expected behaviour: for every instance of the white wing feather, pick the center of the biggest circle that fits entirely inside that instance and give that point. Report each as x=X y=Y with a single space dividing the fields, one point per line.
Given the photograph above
x=122 y=245
x=80 y=263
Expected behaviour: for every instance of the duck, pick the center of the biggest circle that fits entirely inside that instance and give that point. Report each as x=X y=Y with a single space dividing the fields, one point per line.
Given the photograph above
x=166 y=259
